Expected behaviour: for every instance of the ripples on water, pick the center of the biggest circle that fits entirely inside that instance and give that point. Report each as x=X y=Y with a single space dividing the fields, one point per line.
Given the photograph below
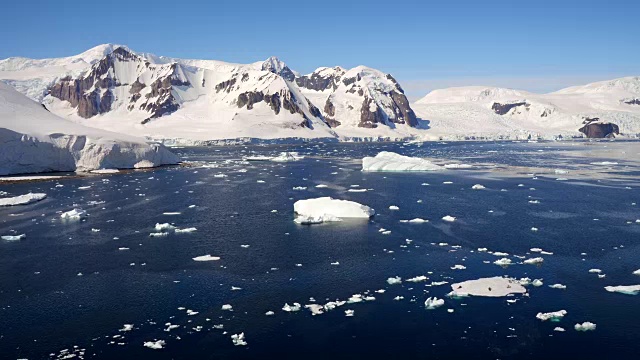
x=68 y=284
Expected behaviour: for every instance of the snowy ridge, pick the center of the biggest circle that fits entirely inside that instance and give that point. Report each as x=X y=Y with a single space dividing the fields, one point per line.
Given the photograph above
x=487 y=112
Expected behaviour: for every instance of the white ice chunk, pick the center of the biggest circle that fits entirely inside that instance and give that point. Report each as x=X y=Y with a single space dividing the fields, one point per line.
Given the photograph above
x=156 y=345
x=553 y=316
x=389 y=161
x=22 y=199
x=394 y=280
x=311 y=211
x=491 y=287
x=624 y=289
x=75 y=214
x=13 y=237
x=585 y=326
x=206 y=258
x=433 y=303
x=449 y=218
x=238 y=339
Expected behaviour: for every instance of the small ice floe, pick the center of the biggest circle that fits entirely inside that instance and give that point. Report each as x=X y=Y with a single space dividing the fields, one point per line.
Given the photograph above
x=534 y=261
x=553 y=316
x=84 y=187
x=483 y=249
x=95 y=230
x=291 y=308
x=503 y=262
x=458 y=166
x=478 y=187
x=299 y=188
x=624 y=289
x=170 y=326
x=13 y=237
x=227 y=307
x=245 y=246
x=448 y=218
x=75 y=214
x=156 y=345
x=534 y=201
x=171 y=213
x=558 y=286
x=269 y=313
x=335 y=263
x=315 y=309
x=537 y=283
x=447 y=182
x=158 y=234
x=604 y=163
x=314 y=211
x=185 y=230
x=433 y=303
x=458 y=267
x=22 y=199
x=490 y=287
x=126 y=327
x=390 y=161
x=585 y=326
x=393 y=207
x=394 y=280
x=206 y=258
x=637 y=272
x=534 y=229
x=398 y=298
x=321 y=186
x=191 y=312
x=595 y=271
x=416 y=279
x=164 y=227
x=238 y=339
x=349 y=313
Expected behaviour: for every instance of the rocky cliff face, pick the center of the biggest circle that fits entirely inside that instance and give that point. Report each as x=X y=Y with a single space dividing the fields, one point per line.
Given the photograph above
x=594 y=128
x=122 y=72
x=360 y=97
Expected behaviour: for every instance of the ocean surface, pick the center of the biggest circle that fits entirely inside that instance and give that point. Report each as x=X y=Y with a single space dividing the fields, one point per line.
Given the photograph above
x=69 y=287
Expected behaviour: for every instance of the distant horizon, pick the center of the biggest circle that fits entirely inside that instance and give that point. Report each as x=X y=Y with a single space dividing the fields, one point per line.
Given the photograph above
x=539 y=47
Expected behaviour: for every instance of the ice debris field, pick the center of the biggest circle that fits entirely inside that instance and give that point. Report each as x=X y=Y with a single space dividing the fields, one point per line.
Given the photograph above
x=485 y=250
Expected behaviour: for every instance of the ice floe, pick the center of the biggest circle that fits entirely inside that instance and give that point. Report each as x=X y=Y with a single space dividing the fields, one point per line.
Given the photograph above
x=394 y=280
x=624 y=289
x=390 y=161
x=433 y=303
x=291 y=308
x=22 y=199
x=478 y=187
x=206 y=258
x=156 y=345
x=448 y=218
x=238 y=339
x=490 y=287
x=75 y=214
x=324 y=209
x=585 y=326
x=503 y=262
x=558 y=286
x=534 y=261
x=553 y=316
x=13 y=237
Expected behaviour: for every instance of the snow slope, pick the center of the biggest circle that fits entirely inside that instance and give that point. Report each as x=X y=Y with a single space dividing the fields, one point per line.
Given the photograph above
x=34 y=140
x=478 y=111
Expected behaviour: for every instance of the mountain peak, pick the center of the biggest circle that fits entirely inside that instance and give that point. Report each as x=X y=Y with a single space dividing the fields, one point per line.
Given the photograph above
x=277 y=66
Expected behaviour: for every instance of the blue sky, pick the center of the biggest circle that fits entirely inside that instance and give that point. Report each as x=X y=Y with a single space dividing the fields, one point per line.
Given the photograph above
x=534 y=45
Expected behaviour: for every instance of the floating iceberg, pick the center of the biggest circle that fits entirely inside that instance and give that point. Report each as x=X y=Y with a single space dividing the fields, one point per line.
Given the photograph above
x=628 y=289
x=206 y=258
x=389 y=161
x=448 y=218
x=13 y=237
x=163 y=227
x=503 y=262
x=394 y=280
x=156 y=345
x=490 y=287
x=291 y=308
x=585 y=326
x=458 y=166
x=478 y=187
x=558 y=286
x=433 y=303
x=534 y=261
x=22 y=199
x=553 y=316
x=315 y=211
x=238 y=339
x=287 y=156
x=75 y=214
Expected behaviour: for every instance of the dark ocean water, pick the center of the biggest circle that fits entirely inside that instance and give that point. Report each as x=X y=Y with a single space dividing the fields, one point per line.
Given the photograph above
x=47 y=307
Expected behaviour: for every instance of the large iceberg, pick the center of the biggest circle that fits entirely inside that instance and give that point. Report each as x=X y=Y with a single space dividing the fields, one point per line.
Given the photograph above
x=390 y=161
x=34 y=140
x=491 y=287
x=315 y=211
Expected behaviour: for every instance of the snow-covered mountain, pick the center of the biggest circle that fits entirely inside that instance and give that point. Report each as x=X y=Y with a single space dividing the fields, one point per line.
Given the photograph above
x=113 y=88
x=488 y=112
x=33 y=139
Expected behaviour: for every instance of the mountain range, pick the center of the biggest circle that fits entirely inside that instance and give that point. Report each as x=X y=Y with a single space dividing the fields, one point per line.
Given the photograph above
x=190 y=101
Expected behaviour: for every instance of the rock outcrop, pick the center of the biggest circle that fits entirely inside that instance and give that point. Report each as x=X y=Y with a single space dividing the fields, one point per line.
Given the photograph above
x=596 y=129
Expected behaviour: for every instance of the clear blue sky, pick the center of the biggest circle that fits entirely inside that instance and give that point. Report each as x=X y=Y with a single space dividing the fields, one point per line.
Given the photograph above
x=537 y=45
